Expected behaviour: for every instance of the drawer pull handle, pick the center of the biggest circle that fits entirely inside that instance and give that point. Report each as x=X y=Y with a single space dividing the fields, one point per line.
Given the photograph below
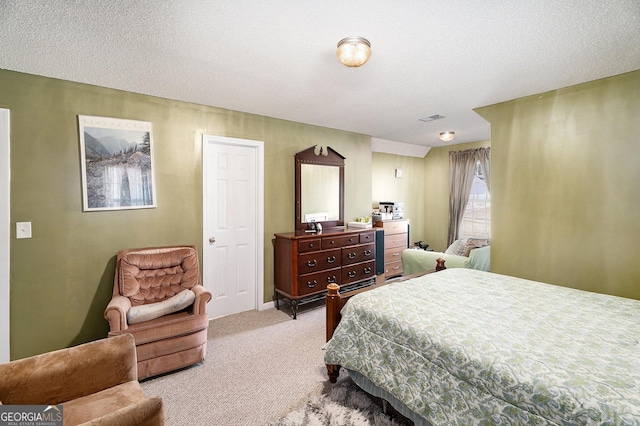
x=333 y=243
x=311 y=284
x=352 y=274
x=331 y=279
x=351 y=240
x=310 y=245
x=312 y=263
x=351 y=255
x=396 y=254
x=396 y=267
x=367 y=252
x=367 y=270
x=331 y=259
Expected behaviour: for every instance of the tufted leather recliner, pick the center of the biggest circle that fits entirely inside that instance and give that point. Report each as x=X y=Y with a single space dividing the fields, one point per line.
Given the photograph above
x=152 y=275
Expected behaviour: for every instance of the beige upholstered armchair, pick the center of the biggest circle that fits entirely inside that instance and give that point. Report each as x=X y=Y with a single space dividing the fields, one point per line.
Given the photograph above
x=159 y=299
x=96 y=384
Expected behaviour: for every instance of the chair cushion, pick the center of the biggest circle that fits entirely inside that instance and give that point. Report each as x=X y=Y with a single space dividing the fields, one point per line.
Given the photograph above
x=148 y=412
x=156 y=274
x=474 y=243
x=101 y=403
x=457 y=248
x=150 y=311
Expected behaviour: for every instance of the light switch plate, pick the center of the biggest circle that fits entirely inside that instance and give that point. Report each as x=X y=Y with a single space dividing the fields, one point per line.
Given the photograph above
x=399 y=173
x=23 y=230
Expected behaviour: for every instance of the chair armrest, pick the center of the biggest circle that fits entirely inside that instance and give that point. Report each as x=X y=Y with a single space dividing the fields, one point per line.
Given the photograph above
x=146 y=412
x=116 y=313
x=480 y=258
x=203 y=296
x=414 y=261
x=66 y=374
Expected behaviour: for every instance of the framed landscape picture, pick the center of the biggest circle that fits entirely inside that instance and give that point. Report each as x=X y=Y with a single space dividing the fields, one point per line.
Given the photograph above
x=117 y=164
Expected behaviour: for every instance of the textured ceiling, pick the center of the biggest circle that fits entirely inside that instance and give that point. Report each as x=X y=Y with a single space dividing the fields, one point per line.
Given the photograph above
x=277 y=58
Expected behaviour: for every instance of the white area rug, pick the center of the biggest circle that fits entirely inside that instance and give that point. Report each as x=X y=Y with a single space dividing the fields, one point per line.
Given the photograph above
x=344 y=404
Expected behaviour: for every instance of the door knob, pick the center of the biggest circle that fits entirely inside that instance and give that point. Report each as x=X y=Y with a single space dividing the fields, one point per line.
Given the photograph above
x=212 y=240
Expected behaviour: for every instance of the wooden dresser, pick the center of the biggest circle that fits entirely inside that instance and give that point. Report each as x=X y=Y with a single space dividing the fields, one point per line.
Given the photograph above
x=396 y=240
x=305 y=263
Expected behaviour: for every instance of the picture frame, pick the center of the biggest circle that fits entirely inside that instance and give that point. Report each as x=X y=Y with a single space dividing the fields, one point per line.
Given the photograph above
x=117 y=163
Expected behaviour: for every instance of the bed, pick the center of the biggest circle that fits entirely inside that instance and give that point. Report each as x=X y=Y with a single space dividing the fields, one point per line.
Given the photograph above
x=463 y=346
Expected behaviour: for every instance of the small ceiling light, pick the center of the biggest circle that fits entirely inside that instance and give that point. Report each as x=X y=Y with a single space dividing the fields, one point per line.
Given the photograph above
x=354 y=51
x=447 y=136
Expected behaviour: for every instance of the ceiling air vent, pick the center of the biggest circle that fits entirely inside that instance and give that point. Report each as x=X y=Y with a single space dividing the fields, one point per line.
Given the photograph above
x=432 y=118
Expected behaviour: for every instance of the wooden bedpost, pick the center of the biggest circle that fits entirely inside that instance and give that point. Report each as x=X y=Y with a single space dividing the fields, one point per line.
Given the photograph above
x=440 y=264
x=333 y=305
x=333 y=309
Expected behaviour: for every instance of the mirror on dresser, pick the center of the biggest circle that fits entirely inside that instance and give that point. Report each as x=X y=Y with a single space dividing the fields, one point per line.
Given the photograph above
x=307 y=260
x=319 y=188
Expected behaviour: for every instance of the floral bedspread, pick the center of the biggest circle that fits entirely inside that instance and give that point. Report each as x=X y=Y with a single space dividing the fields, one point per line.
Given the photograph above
x=470 y=347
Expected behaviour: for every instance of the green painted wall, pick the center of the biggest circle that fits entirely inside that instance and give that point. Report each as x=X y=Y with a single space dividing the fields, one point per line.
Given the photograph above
x=565 y=192
x=565 y=186
x=408 y=189
x=62 y=278
x=436 y=182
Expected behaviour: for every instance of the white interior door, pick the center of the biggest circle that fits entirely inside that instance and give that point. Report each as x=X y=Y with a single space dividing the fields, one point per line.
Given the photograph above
x=5 y=227
x=232 y=224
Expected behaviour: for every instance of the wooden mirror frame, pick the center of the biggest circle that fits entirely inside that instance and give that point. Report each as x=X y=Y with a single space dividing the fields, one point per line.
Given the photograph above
x=332 y=158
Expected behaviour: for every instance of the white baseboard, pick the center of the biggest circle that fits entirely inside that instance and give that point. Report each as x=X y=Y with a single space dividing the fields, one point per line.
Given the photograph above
x=266 y=306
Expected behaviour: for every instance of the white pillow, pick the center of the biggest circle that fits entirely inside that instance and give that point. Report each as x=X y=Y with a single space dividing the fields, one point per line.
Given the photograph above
x=458 y=247
x=151 y=311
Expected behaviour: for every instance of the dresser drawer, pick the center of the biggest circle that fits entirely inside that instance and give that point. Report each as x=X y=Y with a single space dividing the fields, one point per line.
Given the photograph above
x=357 y=254
x=392 y=269
x=312 y=283
x=395 y=240
x=358 y=272
x=395 y=227
x=319 y=260
x=340 y=241
x=368 y=237
x=393 y=254
x=305 y=246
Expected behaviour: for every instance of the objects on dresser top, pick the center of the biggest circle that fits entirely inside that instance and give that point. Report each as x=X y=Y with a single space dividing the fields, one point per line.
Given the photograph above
x=393 y=208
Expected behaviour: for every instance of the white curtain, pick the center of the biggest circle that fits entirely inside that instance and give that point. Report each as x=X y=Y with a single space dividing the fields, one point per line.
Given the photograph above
x=462 y=166
x=484 y=157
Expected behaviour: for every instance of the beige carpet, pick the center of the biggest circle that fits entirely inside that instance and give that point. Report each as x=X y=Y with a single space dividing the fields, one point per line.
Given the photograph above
x=260 y=366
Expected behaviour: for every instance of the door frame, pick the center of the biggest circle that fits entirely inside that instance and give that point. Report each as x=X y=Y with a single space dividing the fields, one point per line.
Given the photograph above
x=258 y=146
x=5 y=234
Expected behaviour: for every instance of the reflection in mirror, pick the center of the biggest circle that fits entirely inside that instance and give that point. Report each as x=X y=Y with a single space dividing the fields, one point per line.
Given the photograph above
x=320 y=193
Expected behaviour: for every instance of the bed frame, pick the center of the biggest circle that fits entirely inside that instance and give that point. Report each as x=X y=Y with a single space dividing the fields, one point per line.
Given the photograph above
x=335 y=301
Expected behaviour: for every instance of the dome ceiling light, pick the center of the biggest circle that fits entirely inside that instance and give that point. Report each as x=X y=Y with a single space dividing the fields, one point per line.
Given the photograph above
x=447 y=136
x=354 y=51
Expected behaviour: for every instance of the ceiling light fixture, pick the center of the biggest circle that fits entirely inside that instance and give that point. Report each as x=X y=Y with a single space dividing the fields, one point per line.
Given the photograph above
x=354 y=51
x=447 y=136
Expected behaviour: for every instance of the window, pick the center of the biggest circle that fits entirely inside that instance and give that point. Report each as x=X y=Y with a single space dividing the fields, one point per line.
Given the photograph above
x=476 y=222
